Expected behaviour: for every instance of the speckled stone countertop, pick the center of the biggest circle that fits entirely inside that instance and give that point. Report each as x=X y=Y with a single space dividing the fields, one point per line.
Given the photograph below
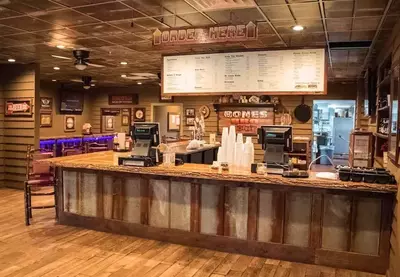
x=103 y=161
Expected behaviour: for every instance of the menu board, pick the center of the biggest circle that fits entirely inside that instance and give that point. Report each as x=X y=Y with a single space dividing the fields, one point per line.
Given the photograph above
x=281 y=71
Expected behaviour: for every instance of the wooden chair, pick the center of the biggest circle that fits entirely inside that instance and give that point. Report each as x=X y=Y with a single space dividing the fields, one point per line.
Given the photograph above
x=38 y=176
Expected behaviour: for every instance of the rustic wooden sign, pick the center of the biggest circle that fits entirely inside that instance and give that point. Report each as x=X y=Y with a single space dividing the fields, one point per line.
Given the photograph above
x=246 y=119
x=124 y=99
x=18 y=107
x=202 y=35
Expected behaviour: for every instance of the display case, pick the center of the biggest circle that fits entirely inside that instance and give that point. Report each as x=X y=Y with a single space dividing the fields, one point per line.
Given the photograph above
x=393 y=141
x=361 y=149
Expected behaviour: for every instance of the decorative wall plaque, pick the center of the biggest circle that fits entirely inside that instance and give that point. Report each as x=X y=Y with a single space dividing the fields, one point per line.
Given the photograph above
x=123 y=99
x=19 y=107
x=212 y=34
x=46 y=103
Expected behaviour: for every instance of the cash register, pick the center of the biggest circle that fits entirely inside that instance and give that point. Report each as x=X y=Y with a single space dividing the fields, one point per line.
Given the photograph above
x=276 y=141
x=146 y=136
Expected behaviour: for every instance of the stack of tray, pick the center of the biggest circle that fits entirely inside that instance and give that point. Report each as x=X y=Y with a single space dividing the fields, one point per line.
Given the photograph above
x=368 y=175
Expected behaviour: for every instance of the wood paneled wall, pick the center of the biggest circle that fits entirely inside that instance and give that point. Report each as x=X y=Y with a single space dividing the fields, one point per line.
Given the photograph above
x=18 y=81
x=393 y=45
x=150 y=94
x=52 y=90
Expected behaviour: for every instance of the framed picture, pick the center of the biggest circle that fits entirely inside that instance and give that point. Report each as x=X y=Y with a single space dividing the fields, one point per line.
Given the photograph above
x=109 y=123
x=166 y=99
x=46 y=119
x=139 y=114
x=46 y=103
x=18 y=107
x=69 y=123
x=125 y=120
x=189 y=121
x=174 y=122
x=190 y=112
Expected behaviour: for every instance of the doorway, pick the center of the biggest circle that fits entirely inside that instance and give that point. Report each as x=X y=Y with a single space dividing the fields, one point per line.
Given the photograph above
x=170 y=118
x=333 y=121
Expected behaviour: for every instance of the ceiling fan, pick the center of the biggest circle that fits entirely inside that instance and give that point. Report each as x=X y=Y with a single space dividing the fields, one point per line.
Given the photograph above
x=82 y=60
x=86 y=80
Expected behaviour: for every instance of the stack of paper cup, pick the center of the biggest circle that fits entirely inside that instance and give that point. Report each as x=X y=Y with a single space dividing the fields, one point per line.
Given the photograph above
x=230 y=155
x=248 y=156
x=222 y=151
x=121 y=140
x=239 y=150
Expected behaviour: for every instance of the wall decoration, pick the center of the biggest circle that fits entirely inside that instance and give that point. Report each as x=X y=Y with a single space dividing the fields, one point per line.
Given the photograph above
x=46 y=103
x=123 y=99
x=46 y=119
x=18 y=107
x=190 y=112
x=247 y=119
x=166 y=98
x=139 y=114
x=174 y=122
x=205 y=111
x=125 y=120
x=274 y=72
x=212 y=34
x=110 y=111
x=69 y=123
x=190 y=121
x=109 y=123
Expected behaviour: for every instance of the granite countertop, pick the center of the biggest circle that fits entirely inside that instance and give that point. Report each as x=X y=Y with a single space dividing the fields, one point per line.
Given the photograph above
x=103 y=161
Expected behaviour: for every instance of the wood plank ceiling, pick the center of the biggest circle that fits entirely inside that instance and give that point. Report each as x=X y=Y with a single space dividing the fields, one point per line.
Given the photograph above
x=116 y=31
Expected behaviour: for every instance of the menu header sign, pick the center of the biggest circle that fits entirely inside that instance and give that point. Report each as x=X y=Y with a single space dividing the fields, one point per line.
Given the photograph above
x=246 y=119
x=268 y=72
x=213 y=34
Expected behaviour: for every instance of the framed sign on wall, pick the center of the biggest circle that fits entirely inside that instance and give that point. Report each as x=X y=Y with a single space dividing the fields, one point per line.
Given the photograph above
x=246 y=118
x=123 y=99
x=18 y=107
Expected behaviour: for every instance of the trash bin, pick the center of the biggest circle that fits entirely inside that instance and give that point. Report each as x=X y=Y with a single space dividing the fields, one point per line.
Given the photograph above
x=328 y=151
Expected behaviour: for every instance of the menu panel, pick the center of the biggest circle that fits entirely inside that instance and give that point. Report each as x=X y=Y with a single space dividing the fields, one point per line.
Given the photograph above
x=259 y=71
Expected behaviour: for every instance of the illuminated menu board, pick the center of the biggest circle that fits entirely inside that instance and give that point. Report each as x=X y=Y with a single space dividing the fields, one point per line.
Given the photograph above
x=275 y=72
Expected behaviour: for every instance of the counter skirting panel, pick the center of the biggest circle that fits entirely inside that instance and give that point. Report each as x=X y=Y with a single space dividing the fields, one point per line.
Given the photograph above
x=339 y=230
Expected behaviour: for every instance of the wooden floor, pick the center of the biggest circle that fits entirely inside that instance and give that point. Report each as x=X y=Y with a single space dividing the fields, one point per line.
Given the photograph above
x=48 y=249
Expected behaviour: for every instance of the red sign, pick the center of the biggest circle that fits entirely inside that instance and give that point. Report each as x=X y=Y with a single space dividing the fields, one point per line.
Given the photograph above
x=18 y=107
x=247 y=120
x=213 y=34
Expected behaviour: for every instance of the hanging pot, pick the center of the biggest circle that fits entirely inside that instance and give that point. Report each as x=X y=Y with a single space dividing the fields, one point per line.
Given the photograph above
x=302 y=112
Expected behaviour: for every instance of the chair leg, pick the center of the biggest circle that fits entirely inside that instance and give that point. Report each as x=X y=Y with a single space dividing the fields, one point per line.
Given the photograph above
x=26 y=205
x=30 y=202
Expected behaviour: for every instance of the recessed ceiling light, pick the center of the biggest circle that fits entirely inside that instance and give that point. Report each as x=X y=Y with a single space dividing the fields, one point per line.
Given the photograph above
x=56 y=68
x=11 y=60
x=54 y=80
x=124 y=63
x=60 y=46
x=298 y=28
x=139 y=83
x=123 y=75
x=93 y=85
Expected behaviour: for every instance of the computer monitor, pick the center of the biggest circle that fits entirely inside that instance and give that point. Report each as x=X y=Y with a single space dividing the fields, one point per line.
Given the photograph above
x=149 y=131
x=275 y=141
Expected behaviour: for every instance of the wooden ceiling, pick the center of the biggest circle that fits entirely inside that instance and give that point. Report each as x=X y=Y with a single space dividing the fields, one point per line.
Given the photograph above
x=116 y=31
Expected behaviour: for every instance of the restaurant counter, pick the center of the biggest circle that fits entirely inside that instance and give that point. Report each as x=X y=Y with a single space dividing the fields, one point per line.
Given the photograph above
x=317 y=221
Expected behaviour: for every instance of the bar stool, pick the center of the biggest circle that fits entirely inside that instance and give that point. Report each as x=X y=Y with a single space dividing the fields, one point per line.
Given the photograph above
x=38 y=176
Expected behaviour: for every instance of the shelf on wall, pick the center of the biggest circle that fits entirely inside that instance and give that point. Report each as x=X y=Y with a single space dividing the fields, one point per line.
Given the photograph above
x=379 y=135
x=297 y=154
x=247 y=105
x=386 y=108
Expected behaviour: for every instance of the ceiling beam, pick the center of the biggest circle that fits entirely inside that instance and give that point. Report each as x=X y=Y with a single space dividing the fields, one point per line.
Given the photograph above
x=323 y=18
x=375 y=39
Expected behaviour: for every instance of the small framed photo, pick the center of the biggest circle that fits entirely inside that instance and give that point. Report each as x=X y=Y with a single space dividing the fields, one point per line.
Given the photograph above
x=190 y=112
x=69 y=123
x=110 y=123
x=190 y=121
x=46 y=103
x=174 y=122
x=139 y=114
x=125 y=120
x=46 y=119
